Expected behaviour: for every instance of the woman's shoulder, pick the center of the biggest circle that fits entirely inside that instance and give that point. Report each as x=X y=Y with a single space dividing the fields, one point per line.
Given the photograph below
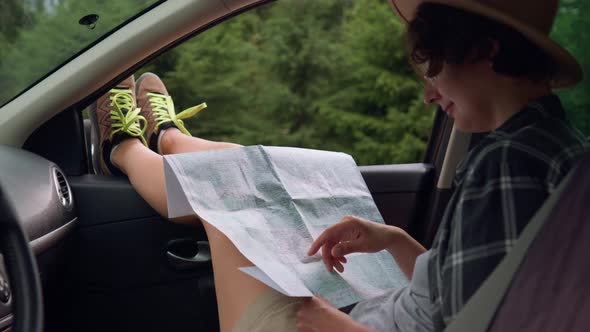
x=546 y=148
x=552 y=137
x=540 y=128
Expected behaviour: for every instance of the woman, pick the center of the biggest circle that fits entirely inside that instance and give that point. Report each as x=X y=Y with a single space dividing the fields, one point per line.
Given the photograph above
x=490 y=67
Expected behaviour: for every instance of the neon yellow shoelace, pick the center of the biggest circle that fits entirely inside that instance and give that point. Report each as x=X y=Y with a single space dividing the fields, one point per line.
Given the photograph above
x=125 y=116
x=163 y=108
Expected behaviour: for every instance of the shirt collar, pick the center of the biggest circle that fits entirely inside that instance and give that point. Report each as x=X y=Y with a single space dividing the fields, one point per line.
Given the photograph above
x=540 y=108
x=548 y=106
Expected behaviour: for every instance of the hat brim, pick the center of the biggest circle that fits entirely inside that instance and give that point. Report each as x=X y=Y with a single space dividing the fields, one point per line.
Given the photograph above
x=569 y=72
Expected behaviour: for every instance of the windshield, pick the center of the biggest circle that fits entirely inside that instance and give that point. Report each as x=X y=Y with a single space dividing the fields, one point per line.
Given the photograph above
x=39 y=36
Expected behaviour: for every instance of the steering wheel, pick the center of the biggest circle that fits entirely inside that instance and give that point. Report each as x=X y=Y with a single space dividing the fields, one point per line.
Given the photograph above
x=21 y=268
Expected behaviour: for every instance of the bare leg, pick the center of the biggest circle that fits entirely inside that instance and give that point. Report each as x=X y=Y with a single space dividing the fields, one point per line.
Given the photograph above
x=174 y=141
x=235 y=290
x=145 y=170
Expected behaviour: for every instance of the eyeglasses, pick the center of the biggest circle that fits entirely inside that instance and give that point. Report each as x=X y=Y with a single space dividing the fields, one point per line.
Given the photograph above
x=430 y=80
x=422 y=71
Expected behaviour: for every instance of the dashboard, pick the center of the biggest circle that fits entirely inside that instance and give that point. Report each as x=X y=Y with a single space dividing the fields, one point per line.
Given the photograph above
x=40 y=196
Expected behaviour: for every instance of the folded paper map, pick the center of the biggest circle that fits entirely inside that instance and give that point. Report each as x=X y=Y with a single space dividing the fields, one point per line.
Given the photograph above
x=272 y=202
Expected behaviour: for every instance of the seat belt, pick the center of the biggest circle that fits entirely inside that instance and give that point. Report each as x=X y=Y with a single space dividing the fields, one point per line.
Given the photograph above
x=480 y=310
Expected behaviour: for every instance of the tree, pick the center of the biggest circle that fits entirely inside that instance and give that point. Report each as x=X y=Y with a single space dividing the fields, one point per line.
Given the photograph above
x=375 y=110
x=43 y=40
x=327 y=74
x=567 y=31
x=320 y=74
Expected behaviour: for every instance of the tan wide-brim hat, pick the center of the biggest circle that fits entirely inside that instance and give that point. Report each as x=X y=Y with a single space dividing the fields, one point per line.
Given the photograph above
x=532 y=18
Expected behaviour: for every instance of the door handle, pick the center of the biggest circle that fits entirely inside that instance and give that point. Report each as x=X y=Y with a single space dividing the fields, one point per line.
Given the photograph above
x=188 y=254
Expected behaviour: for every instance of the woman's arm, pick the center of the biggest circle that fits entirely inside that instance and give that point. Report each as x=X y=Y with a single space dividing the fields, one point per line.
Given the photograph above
x=353 y=234
x=404 y=249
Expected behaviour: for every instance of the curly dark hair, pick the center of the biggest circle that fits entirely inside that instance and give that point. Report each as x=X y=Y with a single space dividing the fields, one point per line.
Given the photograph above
x=442 y=34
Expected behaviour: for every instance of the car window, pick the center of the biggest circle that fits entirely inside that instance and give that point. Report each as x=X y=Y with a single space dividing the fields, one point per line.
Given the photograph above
x=38 y=36
x=324 y=74
x=570 y=30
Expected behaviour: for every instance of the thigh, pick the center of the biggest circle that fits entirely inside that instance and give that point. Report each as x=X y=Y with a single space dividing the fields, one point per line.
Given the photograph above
x=235 y=290
x=270 y=312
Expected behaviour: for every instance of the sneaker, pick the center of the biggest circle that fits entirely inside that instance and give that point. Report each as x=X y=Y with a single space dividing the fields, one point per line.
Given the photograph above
x=114 y=118
x=158 y=109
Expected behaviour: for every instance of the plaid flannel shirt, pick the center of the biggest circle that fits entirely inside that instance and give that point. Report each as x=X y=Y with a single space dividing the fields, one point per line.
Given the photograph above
x=498 y=188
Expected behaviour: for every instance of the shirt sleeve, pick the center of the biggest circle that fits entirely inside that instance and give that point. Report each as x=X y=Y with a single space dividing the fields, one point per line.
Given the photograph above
x=407 y=309
x=498 y=198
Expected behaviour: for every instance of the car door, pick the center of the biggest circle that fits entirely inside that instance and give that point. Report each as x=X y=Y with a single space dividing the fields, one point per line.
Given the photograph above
x=126 y=268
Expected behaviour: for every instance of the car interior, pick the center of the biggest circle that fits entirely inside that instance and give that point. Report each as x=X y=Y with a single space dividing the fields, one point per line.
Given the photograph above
x=83 y=251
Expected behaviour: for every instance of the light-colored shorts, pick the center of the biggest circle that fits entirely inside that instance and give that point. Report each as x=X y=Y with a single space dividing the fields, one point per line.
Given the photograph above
x=271 y=311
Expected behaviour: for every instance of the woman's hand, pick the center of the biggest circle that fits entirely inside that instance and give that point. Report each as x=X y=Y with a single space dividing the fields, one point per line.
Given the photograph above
x=352 y=234
x=317 y=315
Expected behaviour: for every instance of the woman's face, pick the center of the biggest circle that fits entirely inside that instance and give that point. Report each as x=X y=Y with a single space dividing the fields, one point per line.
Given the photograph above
x=464 y=92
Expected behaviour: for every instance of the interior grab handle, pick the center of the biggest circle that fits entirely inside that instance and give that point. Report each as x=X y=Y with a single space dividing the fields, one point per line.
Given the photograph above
x=188 y=254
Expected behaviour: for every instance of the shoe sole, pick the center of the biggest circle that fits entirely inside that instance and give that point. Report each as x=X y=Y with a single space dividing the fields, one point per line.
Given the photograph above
x=95 y=142
x=138 y=81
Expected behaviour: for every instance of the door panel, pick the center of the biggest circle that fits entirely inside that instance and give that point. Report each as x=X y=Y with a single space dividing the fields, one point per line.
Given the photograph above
x=115 y=272
x=120 y=276
x=119 y=273
x=399 y=191
x=106 y=199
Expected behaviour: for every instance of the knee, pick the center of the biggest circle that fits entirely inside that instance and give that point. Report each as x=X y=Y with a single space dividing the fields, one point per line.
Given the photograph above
x=187 y=220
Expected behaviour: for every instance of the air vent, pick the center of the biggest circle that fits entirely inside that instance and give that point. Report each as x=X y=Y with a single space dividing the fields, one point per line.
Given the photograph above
x=63 y=189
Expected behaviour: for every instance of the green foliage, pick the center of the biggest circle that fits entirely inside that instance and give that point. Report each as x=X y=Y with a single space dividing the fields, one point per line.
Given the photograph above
x=571 y=30
x=327 y=74
x=376 y=112
x=13 y=16
x=36 y=38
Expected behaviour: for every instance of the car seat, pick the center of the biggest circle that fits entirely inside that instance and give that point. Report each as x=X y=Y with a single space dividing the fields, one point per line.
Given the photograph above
x=542 y=284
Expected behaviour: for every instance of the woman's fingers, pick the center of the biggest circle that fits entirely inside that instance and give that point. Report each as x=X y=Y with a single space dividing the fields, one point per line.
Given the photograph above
x=331 y=238
x=327 y=256
x=348 y=247
x=330 y=261
x=331 y=233
x=334 y=233
x=334 y=262
x=319 y=242
x=303 y=319
x=315 y=246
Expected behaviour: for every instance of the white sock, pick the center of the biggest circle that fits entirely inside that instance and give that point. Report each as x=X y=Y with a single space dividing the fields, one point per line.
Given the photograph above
x=111 y=156
x=160 y=134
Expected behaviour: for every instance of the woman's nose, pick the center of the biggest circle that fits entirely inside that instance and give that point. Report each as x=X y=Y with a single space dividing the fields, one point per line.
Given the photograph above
x=431 y=94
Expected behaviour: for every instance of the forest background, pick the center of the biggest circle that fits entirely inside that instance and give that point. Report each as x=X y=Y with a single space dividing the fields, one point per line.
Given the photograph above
x=325 y=74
